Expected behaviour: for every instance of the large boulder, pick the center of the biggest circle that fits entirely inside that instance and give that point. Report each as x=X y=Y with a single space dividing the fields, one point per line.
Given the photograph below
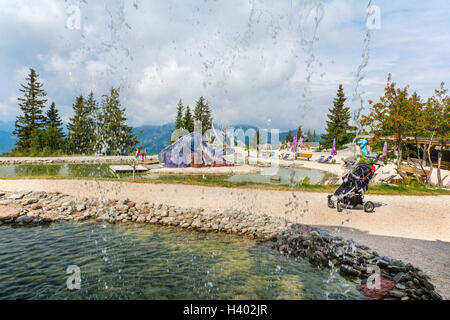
x=8 y=212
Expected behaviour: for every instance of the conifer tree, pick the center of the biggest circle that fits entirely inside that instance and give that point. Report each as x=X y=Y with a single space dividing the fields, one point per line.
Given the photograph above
x=53 y=133
x=299 y=133
x=314 y=136
x=202 y=113
x=115 y=137
x=32 y=104
x=79 y=139
x=92 y=114
x=338 y=125
x=52 y=119
x=179 y=123
x=308 y=136
x=289 y=136
x=188 y=122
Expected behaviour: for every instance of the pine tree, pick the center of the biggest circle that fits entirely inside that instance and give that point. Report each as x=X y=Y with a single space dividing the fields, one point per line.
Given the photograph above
x=52 y=119
x=179 y=123
x=188 y=122
x=92 y=114
x=314 y=136
x=337 y=126
x=202 y=113
x=53 y=135
x=115 y=137
x=79 y=139
x=32 y=104
x=299 y=133
x=308 y=135
x=289 y=136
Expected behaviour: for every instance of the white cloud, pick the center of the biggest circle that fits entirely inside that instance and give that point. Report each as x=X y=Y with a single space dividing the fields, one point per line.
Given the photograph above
x=246 y=57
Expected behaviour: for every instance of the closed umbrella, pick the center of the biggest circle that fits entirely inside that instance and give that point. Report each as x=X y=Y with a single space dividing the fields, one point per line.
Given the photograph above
x=294 y=145
x=301 y=142
x=385 y=149
x=333 y=150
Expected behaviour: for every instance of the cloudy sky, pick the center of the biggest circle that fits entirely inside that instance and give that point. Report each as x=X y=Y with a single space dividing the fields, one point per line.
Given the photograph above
x=253 y=60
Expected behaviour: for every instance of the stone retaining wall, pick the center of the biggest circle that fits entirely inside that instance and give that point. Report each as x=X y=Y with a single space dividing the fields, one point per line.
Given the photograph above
x=396 y=280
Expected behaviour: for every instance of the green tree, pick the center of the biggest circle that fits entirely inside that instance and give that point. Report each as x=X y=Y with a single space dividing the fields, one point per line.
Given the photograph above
x=308 y=136
x=52 y=135
x=299 y=133
x=115 y=137
x=202 y=113
x=92 y=114
x=435 y=124
x=188 y=121
x=289 y=136
x=179 y=123
x=79 y=138
x=395 y=115
x=32 y=104
x=338 y=125
x=314 y=136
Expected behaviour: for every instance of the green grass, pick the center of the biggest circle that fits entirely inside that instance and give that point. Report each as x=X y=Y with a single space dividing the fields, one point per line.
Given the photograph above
x=217 y=181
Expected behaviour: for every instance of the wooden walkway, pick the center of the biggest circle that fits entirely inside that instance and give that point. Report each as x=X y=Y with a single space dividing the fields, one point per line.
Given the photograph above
x=127 y=169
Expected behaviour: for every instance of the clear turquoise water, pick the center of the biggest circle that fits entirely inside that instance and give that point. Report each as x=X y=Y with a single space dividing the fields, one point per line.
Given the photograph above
x=149 y=262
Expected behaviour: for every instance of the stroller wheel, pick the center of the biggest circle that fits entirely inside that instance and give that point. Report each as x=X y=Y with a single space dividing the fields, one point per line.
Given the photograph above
x=339 y=206
x=330 y=203
x=369 y=206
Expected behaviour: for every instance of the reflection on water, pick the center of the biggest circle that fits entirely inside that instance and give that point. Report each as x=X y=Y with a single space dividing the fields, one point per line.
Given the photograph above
x=100 y=170
x=284 y=176
x=149 y=262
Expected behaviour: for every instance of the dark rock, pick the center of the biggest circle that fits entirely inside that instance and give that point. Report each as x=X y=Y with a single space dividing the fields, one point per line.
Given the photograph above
x=382 y=263
x=397 y=293
x=401 y=277
x=24 y=219
x=318 y=259
x=348 y=271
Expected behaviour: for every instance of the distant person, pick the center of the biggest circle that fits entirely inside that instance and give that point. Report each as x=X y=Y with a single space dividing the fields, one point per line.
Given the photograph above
x=136 y=156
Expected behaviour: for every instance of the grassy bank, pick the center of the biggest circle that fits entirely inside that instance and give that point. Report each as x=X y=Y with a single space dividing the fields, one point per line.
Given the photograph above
x=218 y=182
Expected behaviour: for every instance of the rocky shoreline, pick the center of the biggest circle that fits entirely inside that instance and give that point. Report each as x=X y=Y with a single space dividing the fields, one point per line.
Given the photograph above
x=396 y=280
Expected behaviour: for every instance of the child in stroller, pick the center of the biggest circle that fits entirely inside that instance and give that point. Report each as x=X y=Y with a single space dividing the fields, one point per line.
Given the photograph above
x=351 y=192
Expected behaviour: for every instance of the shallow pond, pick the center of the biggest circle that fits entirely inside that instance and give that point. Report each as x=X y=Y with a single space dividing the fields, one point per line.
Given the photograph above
x=130 y=261
x=286 y=175
x=99 y=170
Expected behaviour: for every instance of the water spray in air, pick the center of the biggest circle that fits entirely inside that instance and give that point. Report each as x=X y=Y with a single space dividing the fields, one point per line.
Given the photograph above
x=357 y=95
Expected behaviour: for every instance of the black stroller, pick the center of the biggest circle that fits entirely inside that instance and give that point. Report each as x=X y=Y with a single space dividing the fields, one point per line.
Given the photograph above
x=351 y=191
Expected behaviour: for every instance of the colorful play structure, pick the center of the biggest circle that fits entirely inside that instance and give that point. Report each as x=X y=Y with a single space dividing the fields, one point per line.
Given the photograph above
x=362 y=143
x=193 y=150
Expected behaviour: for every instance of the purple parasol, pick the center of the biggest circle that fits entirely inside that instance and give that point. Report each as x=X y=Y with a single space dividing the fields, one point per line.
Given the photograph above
x=301 y=142
x=333 y=150
x=294 y=145
x=385 y=149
